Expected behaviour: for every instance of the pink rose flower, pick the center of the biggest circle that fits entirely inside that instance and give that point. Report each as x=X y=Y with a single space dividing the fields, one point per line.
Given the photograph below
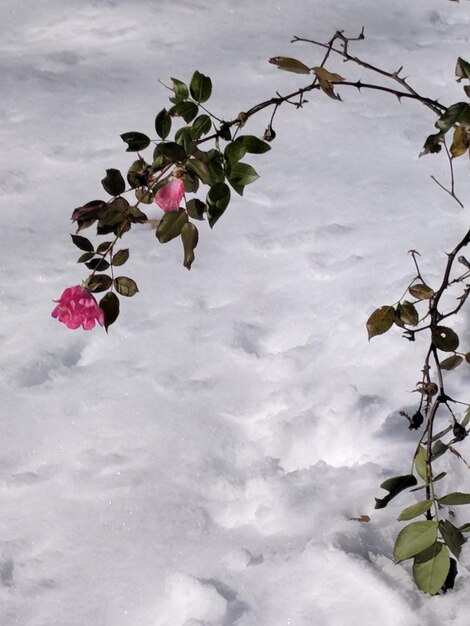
x=77 y=307
x=169 y=196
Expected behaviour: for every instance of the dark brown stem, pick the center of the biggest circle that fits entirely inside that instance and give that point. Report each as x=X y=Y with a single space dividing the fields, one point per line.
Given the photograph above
x=445 y=281
x=277 y=101
x=343 y=52
x=429 y=434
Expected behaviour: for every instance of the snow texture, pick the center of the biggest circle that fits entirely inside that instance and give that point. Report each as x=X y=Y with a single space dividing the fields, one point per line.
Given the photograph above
x=200 y=465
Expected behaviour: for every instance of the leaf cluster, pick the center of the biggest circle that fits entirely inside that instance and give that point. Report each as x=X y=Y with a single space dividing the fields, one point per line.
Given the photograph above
x=456 y=118
x=181 y=128
x=430 y=543
x=100 y=260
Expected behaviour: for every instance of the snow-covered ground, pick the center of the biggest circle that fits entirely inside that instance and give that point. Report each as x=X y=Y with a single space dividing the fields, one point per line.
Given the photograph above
x=200 y=465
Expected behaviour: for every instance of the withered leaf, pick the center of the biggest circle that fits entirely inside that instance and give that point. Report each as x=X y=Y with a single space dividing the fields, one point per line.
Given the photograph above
x=380 y=321
x=290 y=65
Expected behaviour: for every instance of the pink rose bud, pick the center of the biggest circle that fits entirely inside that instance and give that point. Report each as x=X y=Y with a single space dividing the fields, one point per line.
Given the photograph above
x=77 y=307
x=169 y=196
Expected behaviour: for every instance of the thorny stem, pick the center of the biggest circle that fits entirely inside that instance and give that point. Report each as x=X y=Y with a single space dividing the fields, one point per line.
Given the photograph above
x=343 y=52
x=276 y=102
x=445 y=281
x=441 y=398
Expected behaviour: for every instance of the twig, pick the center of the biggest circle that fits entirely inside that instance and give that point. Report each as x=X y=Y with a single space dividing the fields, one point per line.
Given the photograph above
x=449 y=191
x=432 y=104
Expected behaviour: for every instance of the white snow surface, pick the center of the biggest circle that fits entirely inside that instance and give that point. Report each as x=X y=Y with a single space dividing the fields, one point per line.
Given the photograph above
x=200 y=465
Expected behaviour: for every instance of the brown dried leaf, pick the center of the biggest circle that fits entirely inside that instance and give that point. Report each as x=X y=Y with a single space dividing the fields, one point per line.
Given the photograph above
x=290 y=65
x=460 y=142
x=323 y=74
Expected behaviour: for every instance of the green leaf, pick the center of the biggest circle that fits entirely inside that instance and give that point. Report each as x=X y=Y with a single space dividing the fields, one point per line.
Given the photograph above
x=135 y=215
x=99 y=282
x=217 y=200
x=290 y=65
x=209 y=170
x=433 y=144
x=438 y=450
x=120 y=257
x=190 y=237
x=466 y=419
x=462 y=69
x=86 y=215
x=163 y=124
x=445 y=339
x=170 y=225
x=380 y=321
x=144 y=195
x=97 y=265
x=183 y=138
x=430 y=568
x=414 y=510
x=200 y=87
x=216 y=169
x=465 y=528
x=414 y=538
x=85 y=257
x=82 y=243
x=434 y=480
x=196 y=208
x=455 y=498
x=103 y=247
x=201 y=169
x=138 y=173
x=190 y=180
x=125 y=286
x=234 y=151
x=451 y=362
x=241 y=174
x=180 y=89
x=421 y=465
x=201 y=126
x=452 y=536
x=253 y=144
x=407 y=313
x=421 y=292
x=135 y=141
x=187 y=110
x=171 y=151
x=395 y=486
x=113 y=183
x=455 y=113
x=110 y=307
x=441 y=433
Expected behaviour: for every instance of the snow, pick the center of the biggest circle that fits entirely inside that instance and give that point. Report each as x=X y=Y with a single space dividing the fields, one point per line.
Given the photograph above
x=201 y=464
